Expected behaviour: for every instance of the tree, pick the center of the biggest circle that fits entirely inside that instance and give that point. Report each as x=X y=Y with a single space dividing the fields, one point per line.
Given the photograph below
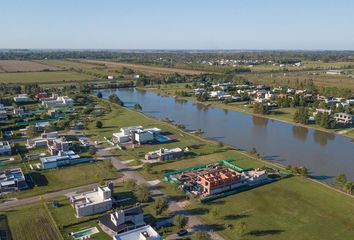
x=137 y=107
x=301 y=115
x=161 y=205
x=115 y=99
x=260 y=108
x=348 y=187
x=240 y=228
x=142 y=193
x=99 y=124
x=180 y=221
x=92 y=150
x=32 y=131
x=341 y=179
x=199 y=235
x=99 y=95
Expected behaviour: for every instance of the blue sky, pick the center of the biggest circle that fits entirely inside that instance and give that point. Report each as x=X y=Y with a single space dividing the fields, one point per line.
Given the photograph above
x=177 y=24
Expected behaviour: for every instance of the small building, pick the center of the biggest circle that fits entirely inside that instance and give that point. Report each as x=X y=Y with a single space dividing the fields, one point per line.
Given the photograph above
x=343 y=118
x=41 y=125
x=92 y=202
x=142 y=233
x=12 y=180
x=3 y=115
x=5 y=148
x=143 y=136
x=20 y=112
x=55 y=113
x=62 y=159
x=165 y=154
x=122 y=220
x=220 y=180
x=22 y=98
x=334 y=72
x=42 y=95
x=322 y=111
x=59 y=144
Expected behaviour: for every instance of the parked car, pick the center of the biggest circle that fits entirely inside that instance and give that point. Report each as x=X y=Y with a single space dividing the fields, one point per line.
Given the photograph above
x=182 y=232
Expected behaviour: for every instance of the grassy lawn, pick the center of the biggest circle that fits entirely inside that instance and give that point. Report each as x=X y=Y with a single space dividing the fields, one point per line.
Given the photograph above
x=42 y=77
x=32 y=222
x=293 y=208
x=68 y=177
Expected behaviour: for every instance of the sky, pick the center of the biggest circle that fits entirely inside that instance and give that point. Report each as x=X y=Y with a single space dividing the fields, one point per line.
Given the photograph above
x=177 y=24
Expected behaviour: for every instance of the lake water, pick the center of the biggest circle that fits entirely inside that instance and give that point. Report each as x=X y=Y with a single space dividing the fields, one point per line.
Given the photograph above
x=324 y=154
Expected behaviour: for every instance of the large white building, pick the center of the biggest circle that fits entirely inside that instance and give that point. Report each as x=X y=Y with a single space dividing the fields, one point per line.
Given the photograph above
x=93 y=202
x=135 y=133
x=62 y=159
x=142 y=233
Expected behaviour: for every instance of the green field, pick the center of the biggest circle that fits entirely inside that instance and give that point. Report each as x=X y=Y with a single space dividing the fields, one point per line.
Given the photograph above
x=43 y=77
x=67 y=177
x=32 y=222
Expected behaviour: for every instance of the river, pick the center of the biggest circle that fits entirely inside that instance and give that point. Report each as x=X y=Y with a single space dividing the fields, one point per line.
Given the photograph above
x=325 y=154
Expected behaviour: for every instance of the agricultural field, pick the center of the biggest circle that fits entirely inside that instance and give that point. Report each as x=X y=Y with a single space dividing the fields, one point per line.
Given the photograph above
x=146 y=69
x=43 y=77
x=32 y=222
x=24 y=66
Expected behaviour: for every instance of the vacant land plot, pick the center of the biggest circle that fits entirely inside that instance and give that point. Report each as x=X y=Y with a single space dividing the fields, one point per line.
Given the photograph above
x=32 y=223
x=67 y=177
x=43 y=77
x=24 y=66
x=152 y=70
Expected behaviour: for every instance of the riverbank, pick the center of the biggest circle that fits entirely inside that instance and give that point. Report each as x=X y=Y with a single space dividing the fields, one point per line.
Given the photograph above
x=283 y=114
x=281 y=210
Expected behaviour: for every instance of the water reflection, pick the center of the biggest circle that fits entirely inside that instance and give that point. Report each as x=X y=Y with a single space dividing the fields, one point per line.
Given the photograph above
x=226 y=111
x=322 y=138
x=180 y=101
x=259 y=121
x=300 y=133
x=202 y=107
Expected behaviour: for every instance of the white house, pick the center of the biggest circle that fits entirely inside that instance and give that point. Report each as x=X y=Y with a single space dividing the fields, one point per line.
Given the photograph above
x=334 y=72
x=93 y=202
x=142 y=233
x=344 y=118
x=5 y=148
x=22 y=98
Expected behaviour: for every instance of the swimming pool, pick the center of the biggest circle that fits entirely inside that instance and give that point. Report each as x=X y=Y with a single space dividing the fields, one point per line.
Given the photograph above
x=85 y=233
x=162 y=138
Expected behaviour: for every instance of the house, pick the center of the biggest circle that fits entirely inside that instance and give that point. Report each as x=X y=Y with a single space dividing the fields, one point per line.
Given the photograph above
x=62 y=159
x=122 y=220
x=55 y=113
x=12 y=180
x=343 y=118
x=42 y=140
x=20 y=112
x=220 y=180
x=42 y=95
x=59 y=144
x=142 y=233
x=58 y=102
x=5 y=148
x=110 y=77
x=216 y=94
x=92 y=202
x=165 y=154
x=3 y=115
x=22 y=98
x=322 y=111
x=135 y=133
x=41 y=125
x=334 y=72
x=198 y=91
